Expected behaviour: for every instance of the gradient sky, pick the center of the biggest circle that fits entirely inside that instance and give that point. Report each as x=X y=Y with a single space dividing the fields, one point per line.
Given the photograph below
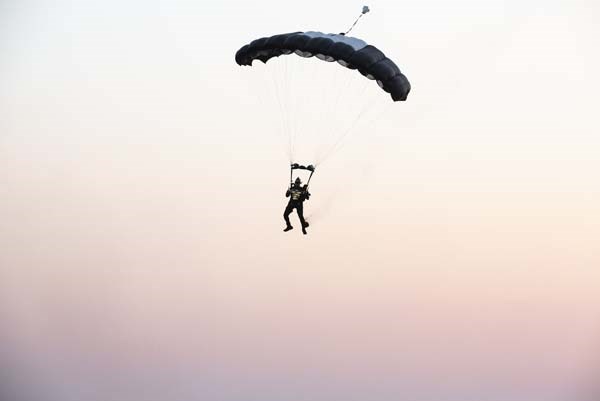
x=453 y=252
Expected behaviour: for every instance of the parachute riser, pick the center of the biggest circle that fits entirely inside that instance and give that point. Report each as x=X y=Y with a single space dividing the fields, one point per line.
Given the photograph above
x=296 y=166
x=309 y=177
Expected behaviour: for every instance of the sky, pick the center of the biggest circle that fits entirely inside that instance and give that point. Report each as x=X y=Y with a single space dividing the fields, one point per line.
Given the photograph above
x=453 y=248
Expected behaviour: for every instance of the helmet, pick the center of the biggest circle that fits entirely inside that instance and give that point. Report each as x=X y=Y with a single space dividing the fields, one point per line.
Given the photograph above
x=298 y=181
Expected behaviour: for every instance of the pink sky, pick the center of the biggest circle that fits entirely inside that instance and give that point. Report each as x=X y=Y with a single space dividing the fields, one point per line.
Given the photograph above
x=453 y=252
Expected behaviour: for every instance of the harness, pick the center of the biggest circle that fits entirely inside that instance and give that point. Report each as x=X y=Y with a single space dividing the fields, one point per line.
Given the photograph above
x=296 y=194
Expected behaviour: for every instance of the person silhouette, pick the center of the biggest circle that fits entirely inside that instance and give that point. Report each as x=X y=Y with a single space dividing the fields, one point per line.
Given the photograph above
x=297 y=194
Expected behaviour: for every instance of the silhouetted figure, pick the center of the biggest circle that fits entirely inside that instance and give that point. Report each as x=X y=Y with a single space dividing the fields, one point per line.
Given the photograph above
x=297 y=194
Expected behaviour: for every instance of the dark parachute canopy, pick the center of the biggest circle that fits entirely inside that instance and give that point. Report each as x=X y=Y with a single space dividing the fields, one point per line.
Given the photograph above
x=348 y=51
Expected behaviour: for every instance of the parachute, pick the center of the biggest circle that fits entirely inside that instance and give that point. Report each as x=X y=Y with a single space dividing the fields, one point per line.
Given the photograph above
x=350 y=52
x=320 y=102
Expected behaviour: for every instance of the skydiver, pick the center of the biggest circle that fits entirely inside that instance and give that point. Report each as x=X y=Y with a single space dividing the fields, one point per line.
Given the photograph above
x=297 y=194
